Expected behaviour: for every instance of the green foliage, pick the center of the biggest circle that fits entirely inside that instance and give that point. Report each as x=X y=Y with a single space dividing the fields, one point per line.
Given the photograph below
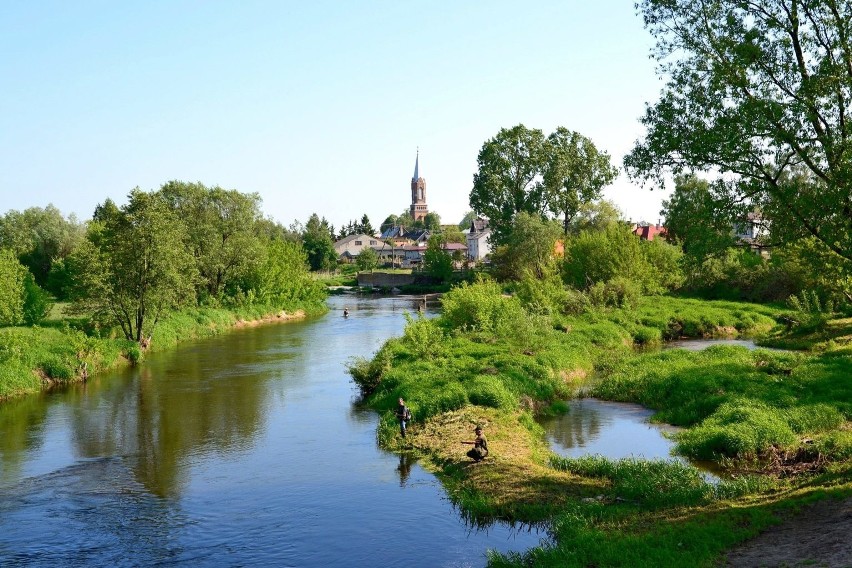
x=437 y=262
x=700 y=217
x=368 y=373
x=508 y=178
x=12 y=277
x=318 y=244
x=367 y=259
x=809 y=313
x=422 y=336
x=618 y=292
x=37 y=303
x=282 y=278
x=489 y=390
x=134 y=266
x=528 y=248
x=545 y=296
x=40 y=238
x=482 y=307
x=756 y=95
x=600 y=256
x=575 y=174
x=739 y=428
x=220 y=231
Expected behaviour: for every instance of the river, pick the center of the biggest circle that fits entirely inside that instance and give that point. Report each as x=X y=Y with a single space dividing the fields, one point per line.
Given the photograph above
x=242 y=450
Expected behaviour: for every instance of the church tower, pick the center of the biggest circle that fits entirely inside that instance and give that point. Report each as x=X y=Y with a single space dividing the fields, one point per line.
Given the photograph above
x=418 y=192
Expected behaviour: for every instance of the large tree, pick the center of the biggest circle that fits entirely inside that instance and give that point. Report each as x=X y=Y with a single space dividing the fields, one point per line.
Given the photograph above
x=318 y=244
x=222 y=229
x=134 y=265
x=509 y=177
x=700 y=218
x=760 y=92
x=575 y=173
x=40 y=237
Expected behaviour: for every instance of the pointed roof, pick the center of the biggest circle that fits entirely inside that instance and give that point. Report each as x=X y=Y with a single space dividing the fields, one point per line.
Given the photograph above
x=417 y=166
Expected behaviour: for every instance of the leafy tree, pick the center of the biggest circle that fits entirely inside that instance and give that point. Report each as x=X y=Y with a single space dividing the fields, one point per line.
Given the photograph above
x=283 y=279
x=508 y=180
x=37 y=303
x=365 y=226
x=596 y=216
x=367 y=259
x=452 y=234
x=529 y=248
x=575 y=173
x=318 y=244
x=39 y=237
x=390 y=221
x=432 y=221
x=436 y=260
x=221 y=229
x=759 y=92
x=134 y=265
x=700 y=218
x=12 y=276
x=598 y=257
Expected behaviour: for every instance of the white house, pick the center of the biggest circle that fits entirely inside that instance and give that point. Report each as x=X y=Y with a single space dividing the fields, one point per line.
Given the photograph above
x=350 y=247
x=478 y=246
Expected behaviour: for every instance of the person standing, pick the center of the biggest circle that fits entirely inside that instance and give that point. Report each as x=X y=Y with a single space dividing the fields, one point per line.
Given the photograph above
x=403 y=414
x=480 y=446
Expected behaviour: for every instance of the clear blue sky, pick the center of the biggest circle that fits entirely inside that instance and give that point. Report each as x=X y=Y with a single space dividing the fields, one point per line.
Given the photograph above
x=318 y=106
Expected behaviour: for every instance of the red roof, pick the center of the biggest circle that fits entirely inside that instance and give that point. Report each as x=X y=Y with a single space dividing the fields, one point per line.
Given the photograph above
x=648 y=232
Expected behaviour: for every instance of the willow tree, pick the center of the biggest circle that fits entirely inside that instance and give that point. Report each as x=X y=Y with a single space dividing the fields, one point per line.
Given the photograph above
x=759 y=92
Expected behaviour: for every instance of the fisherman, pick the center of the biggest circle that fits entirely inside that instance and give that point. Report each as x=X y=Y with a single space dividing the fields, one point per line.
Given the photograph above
x=480 y=446
x=346 y=312
x=403 y=414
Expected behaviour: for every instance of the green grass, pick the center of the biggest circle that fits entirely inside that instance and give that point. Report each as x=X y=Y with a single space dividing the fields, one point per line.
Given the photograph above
x=488 y=357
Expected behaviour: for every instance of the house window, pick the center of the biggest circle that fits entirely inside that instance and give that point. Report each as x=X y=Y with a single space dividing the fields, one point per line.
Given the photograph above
x=358 y=243
x=372 y=243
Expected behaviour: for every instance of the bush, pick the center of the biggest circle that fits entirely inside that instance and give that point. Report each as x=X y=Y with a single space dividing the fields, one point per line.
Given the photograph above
x=422 y=336
x=810 y=314
x=616 y=293
x=367 y=373
x=37 y=302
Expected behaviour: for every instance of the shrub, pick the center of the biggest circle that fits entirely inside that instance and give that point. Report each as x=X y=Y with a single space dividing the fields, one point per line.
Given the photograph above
x=55 y=368
x=37 y=302
x=616 y=293
x=367 y=373
x=422 y=336
x=810 y=313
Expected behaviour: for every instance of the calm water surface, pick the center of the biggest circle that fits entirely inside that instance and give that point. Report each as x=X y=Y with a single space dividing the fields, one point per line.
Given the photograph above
x=240 y=450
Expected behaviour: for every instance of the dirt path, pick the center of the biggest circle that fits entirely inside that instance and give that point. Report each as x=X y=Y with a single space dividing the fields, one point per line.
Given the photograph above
x=820 y=535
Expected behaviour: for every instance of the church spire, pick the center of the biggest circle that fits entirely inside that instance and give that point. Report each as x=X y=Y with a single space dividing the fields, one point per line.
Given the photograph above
x=417 y=165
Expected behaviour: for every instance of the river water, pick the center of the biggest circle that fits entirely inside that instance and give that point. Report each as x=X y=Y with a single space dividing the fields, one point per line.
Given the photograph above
x=242 y=450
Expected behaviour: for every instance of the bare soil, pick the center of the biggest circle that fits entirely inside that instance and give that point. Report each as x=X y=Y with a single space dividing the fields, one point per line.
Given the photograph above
x=819 y=534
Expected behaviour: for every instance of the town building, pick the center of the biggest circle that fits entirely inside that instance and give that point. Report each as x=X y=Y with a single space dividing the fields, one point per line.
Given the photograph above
x=478 y=245
x=350 y=247
x=648 y=232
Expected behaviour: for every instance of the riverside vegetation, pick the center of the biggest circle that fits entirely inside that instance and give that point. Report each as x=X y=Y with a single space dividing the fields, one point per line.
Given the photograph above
x=777 y=421
x=183 y=262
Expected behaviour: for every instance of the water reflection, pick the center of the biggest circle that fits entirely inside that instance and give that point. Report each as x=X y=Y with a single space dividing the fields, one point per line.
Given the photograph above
x=244 y=449
x=611 y=429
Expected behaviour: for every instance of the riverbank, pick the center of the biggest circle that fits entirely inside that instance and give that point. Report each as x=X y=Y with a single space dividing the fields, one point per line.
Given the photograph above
x=36 y=358
x=778 y=422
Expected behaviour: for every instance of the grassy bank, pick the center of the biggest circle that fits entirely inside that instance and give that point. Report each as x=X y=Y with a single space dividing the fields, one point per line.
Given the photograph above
x=38 y=357
x=779 y=420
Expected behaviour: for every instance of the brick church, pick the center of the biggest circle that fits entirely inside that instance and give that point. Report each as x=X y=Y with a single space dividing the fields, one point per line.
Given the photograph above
x=418 y=193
